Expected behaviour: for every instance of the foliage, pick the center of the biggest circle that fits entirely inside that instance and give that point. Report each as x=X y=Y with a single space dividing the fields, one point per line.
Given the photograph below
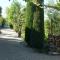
x=29 y=22
x=47 y=27
x=34 y=33
x=2 y=21
x=54 y=22
x=14 y=16
x=0 y=11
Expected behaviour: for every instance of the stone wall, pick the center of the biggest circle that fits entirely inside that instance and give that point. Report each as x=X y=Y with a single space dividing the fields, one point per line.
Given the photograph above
x=54 y=43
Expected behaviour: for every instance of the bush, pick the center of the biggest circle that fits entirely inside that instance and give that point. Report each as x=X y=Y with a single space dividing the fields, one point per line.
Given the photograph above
x=11 y=26
x=2 y=21
x=29 y=22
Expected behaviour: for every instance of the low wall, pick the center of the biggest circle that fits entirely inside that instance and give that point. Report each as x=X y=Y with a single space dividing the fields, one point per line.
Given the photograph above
x=54 y=43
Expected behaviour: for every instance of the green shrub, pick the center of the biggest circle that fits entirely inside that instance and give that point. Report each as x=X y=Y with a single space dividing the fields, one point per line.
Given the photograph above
x=29 y=22
x=11 y=26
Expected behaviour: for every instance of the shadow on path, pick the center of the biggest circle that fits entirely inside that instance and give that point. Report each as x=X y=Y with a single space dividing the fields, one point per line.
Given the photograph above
x=10 y=49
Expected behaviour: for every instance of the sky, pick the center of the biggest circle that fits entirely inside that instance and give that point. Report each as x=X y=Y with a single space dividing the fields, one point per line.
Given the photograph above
x=51 y=2
x=6 y=3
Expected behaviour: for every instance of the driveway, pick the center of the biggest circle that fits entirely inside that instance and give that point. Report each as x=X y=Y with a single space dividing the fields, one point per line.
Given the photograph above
x=14 y=48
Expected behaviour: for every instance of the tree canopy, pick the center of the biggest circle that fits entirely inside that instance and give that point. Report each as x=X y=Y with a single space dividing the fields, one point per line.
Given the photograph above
x=14 y=15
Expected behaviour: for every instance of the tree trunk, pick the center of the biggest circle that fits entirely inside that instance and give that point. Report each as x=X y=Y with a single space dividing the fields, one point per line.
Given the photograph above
x=34 y=33
x=37 y=37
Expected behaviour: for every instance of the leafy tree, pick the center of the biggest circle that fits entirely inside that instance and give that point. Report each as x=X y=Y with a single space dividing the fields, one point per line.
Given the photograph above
x=14 y=16
x=53 y=15
x=2 y=20
x=0 y=11
x=54 y=22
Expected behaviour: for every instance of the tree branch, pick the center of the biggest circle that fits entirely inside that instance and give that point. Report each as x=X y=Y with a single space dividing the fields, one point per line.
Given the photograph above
x=47 y=6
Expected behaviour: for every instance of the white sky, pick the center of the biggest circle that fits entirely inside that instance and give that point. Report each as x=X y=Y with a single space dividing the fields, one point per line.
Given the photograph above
x=5 y=3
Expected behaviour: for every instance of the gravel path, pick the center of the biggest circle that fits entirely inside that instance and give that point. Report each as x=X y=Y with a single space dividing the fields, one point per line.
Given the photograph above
x=13 y=48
